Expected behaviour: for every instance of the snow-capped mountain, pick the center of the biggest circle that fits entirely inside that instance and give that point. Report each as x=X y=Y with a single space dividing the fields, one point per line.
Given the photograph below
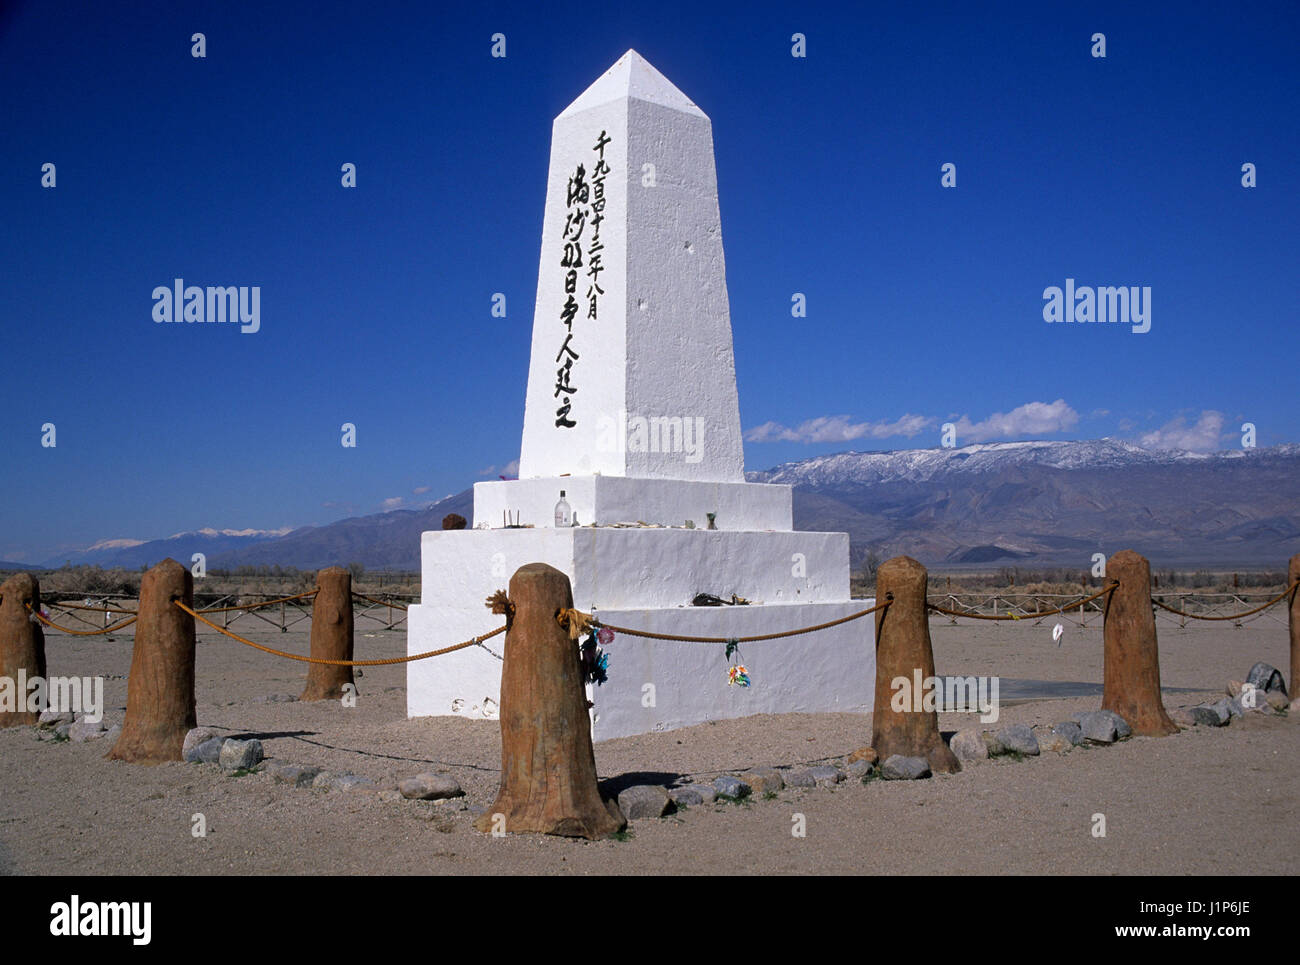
x=922 y=465
x=131 y=553
x=1055 y=503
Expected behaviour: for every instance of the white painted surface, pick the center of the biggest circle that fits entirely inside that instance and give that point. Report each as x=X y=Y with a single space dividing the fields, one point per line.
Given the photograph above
x=637 y=568
x=830 y=671
x=661 y=346
x=603 y=500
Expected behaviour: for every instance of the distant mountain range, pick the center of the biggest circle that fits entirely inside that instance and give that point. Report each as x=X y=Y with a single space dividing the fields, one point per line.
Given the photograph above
x=1027 y=503
x=1055 y=503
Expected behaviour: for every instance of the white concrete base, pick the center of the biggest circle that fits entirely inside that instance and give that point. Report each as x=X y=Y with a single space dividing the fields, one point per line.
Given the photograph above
x=620 y=499
x=636 y=568
x=659 y=685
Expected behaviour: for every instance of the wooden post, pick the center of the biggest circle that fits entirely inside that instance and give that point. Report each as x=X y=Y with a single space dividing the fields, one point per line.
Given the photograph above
x=160 y=690
x=548 y=767
x=331 y=636
x=22 y=645
x=1293 y=574
x=1132 y=657
x=903 y=650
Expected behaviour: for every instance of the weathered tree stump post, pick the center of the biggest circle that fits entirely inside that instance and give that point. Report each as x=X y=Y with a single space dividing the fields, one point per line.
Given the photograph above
x=1293 y=574
x=902 y=650
x=22 y=644
x=548 y=767
x=1132 y=656
x=160 y=690
x=331 y=636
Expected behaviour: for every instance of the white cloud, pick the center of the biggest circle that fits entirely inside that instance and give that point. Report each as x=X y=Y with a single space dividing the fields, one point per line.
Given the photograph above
x=509 y=469
x=1177 y=434
x=392 y=502
x=1030 y=419
x=420 y=490
x=838 y=428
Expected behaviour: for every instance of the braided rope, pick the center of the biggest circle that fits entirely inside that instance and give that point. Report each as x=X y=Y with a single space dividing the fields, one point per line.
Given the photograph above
x=340 y=663
x=79 y=633
x=95 y=609
x=566 y=618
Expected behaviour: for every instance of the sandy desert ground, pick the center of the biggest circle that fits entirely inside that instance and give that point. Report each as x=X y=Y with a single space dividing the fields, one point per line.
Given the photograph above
x=1193 y=803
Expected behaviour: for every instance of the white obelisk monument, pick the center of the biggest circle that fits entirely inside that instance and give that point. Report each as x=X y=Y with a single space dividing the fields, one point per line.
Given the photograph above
x=631 y=417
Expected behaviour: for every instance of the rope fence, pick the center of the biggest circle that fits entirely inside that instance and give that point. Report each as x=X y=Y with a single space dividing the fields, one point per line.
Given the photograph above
x=1110 y=588
x=587 y=620
x=577 y=622
x=198 y=615
x=80 y=633
x=1231 y=616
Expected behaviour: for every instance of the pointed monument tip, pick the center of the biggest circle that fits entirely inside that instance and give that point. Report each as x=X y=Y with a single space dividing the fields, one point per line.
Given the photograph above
x=632 y=76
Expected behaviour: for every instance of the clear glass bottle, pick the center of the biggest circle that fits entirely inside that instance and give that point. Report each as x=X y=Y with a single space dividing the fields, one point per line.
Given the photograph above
x=563 y=515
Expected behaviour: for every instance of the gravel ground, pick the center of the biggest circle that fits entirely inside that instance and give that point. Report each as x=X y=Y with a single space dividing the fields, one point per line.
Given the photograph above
x=1193 y=803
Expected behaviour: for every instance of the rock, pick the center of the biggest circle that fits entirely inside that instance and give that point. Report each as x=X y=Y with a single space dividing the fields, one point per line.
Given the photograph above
x=1277 y=699
x=707 y=792
x=968 y=745
x=299 y=775
x=1122 y=728
x=1266 y=677
x=1103 y=726
x=237 y=755
x=1070 y=730
x=83 y=731
x=51 y=717
x=429 y=786
x=1295 y=706
x=764 y=780
x=342 y=782
x=825 y=775
x=1233 y=707
x=1050 y=742
x=1210 y=715
x=390 y=796
x=1182 y=716
x=732 y=787
x=900 y=768
x=643 y=801
x=867 y=754
x=209 y=752
x=686 y=797
x=195 y=737
x=800 y=778
x=61 y=730
x=350 y=782
x=1234 y=688
x=1018 y=739
x=857 y=770
x=991 y=744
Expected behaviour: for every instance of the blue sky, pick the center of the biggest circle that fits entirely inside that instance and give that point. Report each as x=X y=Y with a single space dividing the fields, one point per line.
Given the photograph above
x=924 y=304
